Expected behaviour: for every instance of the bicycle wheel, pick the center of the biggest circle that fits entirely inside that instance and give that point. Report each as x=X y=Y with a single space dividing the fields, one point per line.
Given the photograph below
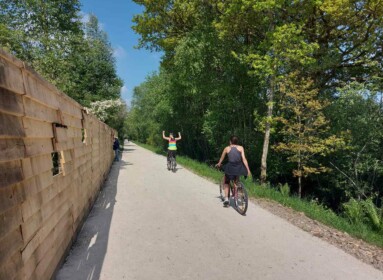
x=241 y=199
x=173 y=164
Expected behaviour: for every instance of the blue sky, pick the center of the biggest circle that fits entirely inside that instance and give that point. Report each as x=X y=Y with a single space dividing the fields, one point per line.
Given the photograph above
x=115 y=17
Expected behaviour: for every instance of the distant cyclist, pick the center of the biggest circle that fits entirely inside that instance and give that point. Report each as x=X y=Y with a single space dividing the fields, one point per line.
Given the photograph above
x=172 y=148
x=236 y=166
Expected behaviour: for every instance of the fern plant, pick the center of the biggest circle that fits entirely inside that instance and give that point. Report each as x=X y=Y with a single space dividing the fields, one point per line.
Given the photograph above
x=284 y=189
x=373 y=213
x=353 y=209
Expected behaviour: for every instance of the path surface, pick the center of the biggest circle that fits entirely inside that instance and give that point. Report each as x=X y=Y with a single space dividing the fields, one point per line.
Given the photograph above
x=149 y=223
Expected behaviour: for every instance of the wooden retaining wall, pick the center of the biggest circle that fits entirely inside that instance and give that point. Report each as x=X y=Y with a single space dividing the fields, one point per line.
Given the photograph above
x=40 y=213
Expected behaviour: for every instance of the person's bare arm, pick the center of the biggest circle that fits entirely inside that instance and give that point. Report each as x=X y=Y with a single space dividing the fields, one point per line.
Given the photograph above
x=222 y=157
x=179 y=136
x=163 y=136
x=244 y=160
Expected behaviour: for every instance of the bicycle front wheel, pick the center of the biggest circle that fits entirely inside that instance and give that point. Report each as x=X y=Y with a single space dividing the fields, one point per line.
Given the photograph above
x=241 y=199
x=174 y=164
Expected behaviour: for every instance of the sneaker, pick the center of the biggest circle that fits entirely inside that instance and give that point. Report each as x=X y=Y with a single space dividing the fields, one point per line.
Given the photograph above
x=226 y=202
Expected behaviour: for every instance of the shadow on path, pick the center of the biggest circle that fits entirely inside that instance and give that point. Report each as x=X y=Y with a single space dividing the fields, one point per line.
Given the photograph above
x=87 y=254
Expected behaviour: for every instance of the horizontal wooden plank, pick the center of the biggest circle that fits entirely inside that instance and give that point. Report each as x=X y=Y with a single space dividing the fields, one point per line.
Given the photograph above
x=61 y=134
x=11 y=77
x=68 y=168
x=41 y=93
x=10 y=244
x=60 y=249
x=11 y=149
x=37 y=183
x=63 y=146
x=10 y=173
x=12 y=267
x=10 y=220
x=71 y=121
x=11 y=126
x=74 y=132
x=69 y=108
x=66 y=156
x=10 y=58
x=40 y=112
x=38 y=146
x=39 y=208
x=11 y=196
x=41 y=164
x=35 y=203
x=51 y=250
x=62 y=183
x=11 y=103
x=37 y=246
x=37 y=129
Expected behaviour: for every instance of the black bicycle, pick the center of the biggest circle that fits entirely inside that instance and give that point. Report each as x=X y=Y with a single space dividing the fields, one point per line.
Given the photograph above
x=172 y=164
x=238 y=194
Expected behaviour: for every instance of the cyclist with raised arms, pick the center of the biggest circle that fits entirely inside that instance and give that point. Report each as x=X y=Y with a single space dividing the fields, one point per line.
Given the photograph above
x=237 y=165
x=172 y=148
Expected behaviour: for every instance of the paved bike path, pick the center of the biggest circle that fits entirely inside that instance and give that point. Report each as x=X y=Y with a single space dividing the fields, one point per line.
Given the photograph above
x=149 y=223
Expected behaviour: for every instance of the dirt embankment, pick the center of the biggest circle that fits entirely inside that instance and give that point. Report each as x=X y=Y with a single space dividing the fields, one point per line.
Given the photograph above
x=367 y=253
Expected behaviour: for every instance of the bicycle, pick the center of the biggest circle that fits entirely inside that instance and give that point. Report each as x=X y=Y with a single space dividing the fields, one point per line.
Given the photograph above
x=238 y=193
x=171 y=162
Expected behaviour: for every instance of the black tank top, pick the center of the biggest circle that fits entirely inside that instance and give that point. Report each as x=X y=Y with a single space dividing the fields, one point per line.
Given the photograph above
x=234 y=155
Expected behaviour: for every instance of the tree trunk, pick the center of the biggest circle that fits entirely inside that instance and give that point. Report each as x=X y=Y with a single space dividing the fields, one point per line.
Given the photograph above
x=266 y=140
x=300 y=186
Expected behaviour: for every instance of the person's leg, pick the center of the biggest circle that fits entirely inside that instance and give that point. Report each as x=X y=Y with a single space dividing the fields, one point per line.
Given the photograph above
x=116 y=155
x=226 y=189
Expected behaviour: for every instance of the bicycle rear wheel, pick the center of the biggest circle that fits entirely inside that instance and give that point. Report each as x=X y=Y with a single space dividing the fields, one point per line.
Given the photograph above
x=241 y=200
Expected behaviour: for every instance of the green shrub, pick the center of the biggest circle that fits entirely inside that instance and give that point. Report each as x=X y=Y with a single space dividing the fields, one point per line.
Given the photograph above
x=284 y=189
x=353 y=209
x=373 y=213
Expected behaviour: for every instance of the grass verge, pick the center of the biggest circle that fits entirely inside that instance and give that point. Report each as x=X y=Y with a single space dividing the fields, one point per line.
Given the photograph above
x=312 y=210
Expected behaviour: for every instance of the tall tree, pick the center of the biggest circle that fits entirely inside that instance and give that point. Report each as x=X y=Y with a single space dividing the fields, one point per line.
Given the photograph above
x=305 y=128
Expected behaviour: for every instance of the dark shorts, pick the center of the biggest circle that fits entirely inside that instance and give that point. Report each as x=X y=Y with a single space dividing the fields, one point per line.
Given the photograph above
x=172 y=154
x=229 y=178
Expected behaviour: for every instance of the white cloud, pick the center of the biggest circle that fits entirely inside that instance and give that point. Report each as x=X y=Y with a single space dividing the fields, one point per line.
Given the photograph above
x=84 y=17
x=119 y=52
x=124 y=90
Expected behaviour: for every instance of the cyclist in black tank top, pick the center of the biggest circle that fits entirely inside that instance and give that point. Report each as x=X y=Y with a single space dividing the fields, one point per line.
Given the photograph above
x=236 y=166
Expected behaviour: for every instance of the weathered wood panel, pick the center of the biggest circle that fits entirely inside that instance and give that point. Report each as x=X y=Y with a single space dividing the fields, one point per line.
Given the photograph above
x=11 y=196
x=11 y=103
x=11 y=126
x=37 y=129
x=11 y=149
x=40 y=211
x=10 y=76
x=10 y=173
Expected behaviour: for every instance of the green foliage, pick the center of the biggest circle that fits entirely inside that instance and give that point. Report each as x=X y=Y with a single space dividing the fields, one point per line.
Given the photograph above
x=76 y=57
x=284 y=189
x=354 y=211
x=373 y=213
x=364 y=211
x=305 y=128
x=225 y=71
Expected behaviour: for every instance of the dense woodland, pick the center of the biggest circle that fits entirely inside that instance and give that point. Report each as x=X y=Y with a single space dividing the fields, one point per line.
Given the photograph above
x=68 y=50
x=300 y=83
